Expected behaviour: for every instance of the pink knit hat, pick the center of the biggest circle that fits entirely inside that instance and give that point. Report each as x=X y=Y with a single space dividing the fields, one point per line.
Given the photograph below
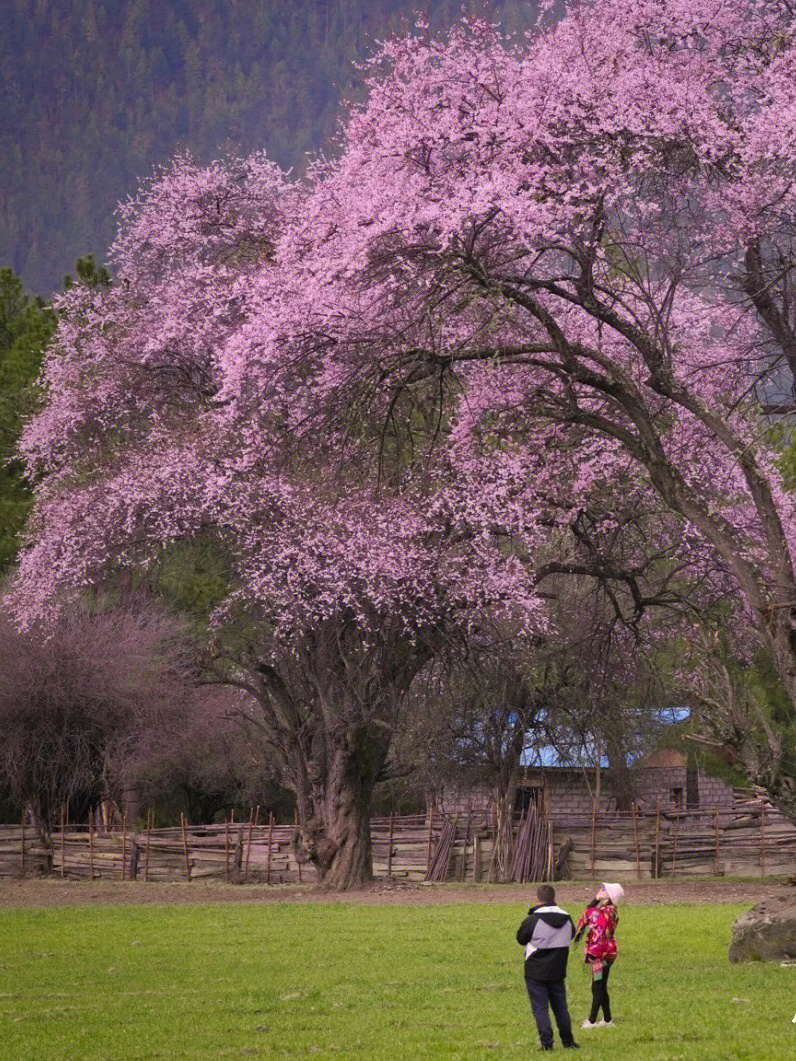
x=615 y=892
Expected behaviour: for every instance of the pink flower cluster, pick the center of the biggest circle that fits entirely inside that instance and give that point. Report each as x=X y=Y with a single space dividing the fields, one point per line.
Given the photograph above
x=522 y=284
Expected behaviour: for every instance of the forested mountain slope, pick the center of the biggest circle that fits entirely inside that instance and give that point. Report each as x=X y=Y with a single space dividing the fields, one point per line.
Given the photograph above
x=94 y=93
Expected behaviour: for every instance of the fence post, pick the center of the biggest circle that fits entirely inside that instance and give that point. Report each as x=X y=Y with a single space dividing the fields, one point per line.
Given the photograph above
x=428 y=841
x=551 y=868
x=657 y=853
x=150 y=818
x=236 y=876
x=674 y=850
x=593 y=831
x=635 y=841
x=226 y=847
x=268 y=853
x=298 y=860
x=389 y=847
x=462 y=873
x=124 y=840
x=22 y=850
x=763 y=840
x=248 y=844
x=63 y=833
x=716 y=858
x=91 y=843
x=252 y=825
x=185 y=846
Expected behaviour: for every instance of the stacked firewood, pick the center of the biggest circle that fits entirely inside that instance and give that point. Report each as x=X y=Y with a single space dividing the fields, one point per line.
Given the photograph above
x=441 y=859
x=532 y=860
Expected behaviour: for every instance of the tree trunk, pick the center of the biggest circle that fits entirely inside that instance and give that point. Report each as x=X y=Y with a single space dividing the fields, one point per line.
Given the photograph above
x=739 y=722
x=351 y=864
x=130 y=803
x=328 y=711
x=337 y=837
x=782 y=791
x=505 y=797
x=621 y=779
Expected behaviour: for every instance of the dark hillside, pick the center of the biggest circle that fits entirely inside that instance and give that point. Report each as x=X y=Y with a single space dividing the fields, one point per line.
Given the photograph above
x=93 y=93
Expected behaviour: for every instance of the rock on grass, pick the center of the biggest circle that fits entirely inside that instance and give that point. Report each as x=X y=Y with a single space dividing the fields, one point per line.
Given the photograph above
x=766 y=933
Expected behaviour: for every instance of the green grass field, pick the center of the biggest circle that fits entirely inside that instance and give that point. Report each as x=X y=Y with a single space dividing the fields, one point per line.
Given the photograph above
x=336 y=980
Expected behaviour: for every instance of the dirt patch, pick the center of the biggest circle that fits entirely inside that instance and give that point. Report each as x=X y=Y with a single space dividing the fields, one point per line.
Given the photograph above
x=42 y=892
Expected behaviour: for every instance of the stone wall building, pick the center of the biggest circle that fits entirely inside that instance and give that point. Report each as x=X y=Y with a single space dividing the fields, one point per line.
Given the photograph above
x=563 y=791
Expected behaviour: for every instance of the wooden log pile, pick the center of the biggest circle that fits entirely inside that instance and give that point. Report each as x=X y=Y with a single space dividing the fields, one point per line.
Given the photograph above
x=440 y=862
x=532 y=859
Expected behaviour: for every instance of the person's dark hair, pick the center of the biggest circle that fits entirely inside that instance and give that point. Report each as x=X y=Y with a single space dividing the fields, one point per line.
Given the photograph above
x=546 y=893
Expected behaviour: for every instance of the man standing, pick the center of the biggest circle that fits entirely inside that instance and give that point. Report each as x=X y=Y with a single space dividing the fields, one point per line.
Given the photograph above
x=546 y=934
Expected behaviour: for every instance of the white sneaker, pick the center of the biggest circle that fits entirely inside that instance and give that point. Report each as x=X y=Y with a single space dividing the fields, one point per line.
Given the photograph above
x=605 y=1024
x=588 y=1024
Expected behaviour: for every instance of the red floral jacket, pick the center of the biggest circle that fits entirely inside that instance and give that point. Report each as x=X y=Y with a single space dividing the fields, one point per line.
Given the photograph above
x=599 y=923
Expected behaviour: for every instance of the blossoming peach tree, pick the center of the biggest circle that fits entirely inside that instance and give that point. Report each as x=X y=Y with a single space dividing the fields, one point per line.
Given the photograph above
x=528 y=274
x=165 y=423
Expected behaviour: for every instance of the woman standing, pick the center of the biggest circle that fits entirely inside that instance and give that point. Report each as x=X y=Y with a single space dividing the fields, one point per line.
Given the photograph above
x=598 y=923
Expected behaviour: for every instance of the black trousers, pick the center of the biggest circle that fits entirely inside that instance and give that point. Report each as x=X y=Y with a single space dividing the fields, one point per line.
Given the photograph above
x=599 y=995
x=552 y=994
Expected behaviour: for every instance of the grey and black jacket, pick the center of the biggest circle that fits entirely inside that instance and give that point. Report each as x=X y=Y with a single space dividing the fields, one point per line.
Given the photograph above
x=546 y=934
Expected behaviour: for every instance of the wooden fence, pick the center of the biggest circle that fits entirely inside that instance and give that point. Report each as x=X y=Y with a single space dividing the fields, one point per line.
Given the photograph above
x=750 y=840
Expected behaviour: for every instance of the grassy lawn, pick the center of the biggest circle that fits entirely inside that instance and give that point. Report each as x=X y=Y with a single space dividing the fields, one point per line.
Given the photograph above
x=327 y=980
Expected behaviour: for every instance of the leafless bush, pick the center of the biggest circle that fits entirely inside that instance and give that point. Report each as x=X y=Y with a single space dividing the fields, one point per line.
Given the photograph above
x=80 y=703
